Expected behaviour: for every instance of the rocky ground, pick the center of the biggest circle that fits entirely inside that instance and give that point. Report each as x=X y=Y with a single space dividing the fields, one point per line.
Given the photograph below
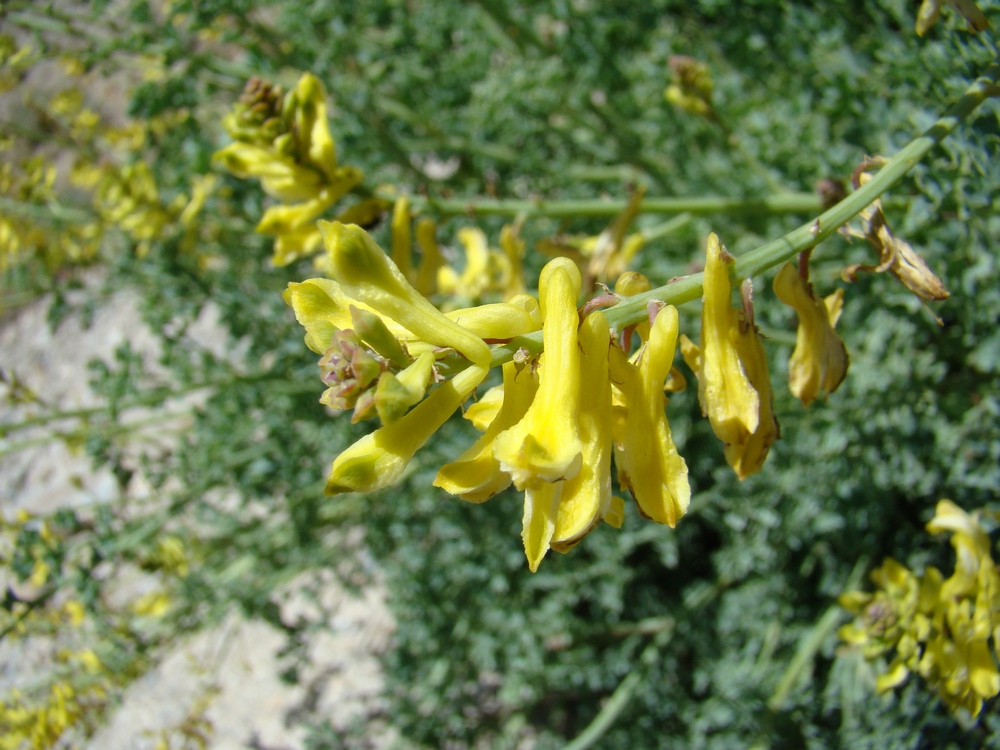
x=232 y=669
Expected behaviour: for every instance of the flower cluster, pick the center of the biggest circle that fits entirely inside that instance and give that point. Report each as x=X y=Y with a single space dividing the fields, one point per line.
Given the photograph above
x=939 y=628
x=284 y=141
x=564 y=409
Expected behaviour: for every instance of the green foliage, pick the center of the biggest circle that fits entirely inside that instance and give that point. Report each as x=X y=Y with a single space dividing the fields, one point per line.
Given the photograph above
x=533 y=100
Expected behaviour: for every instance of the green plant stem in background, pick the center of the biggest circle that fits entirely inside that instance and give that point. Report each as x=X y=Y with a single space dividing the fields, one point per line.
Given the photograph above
x=809 y=235
x=623 y=694
x=797 y=203
x=51 y=212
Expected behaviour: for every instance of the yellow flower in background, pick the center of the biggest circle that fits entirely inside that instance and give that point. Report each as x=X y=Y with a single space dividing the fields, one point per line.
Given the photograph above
x=285 y=142
x=945 y=630
x=733 y=379
x=691 y=86
x=486 y=271
x=819 y=362
x=153 y=604
x=607 y=255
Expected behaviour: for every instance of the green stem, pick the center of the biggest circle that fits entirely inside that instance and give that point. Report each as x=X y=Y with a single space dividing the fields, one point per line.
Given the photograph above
x=807 y=236
x=50 y=212
x=620 y=698
x=563 y=209
x=152 y=398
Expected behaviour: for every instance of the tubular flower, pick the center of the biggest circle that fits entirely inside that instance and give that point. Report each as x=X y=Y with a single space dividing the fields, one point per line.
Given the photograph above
x=484 y=270
x=285 y=142
x=734 y=385
x=476 y=475
x=819 y=362
x=648 y=461
x=939 y=628
x=587 y=498
x=545 y=445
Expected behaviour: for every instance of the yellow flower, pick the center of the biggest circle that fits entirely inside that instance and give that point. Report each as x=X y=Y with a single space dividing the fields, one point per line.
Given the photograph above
x=366 y=274
x=545 y=445
x=279 y=175
x=476 y=475
x=378 y=459
x=647 y=459
x=733 y=380
x=285 y=142
x=692 y=86
x=425 y=279
x=604 y=256
x=819 y=362
x=402 y=241
x=485 y=410
x=310 y=127
x=153 y=604
x=586 y=498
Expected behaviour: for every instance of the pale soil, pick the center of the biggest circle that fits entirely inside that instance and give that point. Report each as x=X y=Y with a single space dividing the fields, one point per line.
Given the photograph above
x=232 y=669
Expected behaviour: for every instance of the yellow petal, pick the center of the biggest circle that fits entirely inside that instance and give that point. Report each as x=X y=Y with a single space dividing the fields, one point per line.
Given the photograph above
x=500 y=321
x=402 y=241
x=308 y=103
x=648 y=461
x=747 y=456
x=819 y=362
x=432 y=260
x=545 y=445
x=541 y=504
x=484 y=411
x=367 y=274
x=322 y=308
x=895 y=676
x=280 y=176
x=513 y=248
x=286 y=219
x=476 y=475
x=378 y=459
x=726 y=394
x=586 y=498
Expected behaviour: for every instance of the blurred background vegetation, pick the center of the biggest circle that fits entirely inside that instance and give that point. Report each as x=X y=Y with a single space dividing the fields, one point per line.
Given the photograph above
x=720 y=633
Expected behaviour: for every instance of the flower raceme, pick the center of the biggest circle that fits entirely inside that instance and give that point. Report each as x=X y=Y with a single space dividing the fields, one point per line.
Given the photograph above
x=552 y=429
x=945 y=630
x=562 y=414
x=285 y=142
